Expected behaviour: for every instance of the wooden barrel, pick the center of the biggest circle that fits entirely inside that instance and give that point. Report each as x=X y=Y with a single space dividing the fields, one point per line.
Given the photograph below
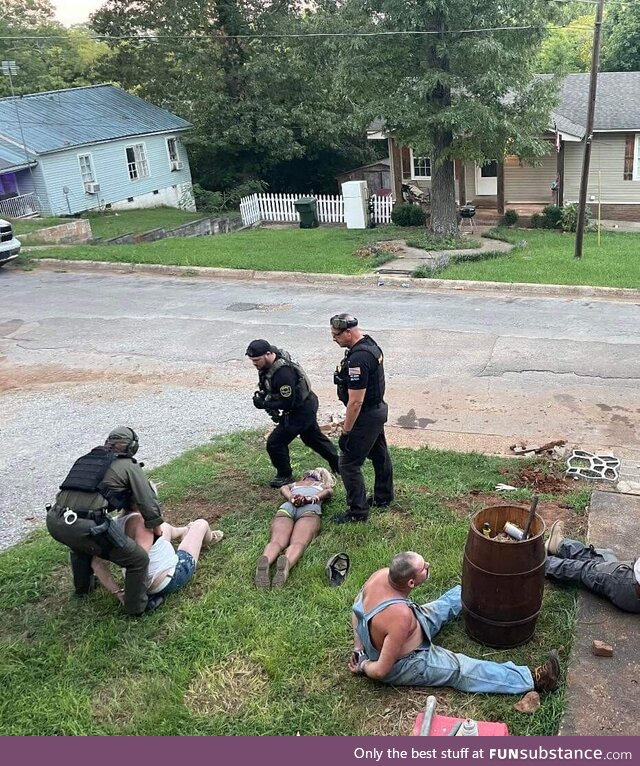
x=502 y=582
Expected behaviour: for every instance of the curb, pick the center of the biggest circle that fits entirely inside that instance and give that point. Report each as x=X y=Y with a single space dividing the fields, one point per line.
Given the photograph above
x=340 y=280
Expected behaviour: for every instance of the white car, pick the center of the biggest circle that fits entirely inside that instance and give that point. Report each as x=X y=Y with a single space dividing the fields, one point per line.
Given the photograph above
x=9 y=245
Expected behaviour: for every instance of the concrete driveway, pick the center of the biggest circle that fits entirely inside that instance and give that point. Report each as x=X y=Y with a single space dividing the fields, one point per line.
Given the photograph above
x=82 y=352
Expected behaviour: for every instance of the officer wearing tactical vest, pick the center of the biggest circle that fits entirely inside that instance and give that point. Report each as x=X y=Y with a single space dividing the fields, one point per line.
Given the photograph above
x=359 y=378
x=284 y=391
x=107 y=478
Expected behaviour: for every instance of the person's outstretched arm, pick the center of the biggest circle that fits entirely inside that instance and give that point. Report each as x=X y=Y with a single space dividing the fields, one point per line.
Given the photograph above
x=103 y=573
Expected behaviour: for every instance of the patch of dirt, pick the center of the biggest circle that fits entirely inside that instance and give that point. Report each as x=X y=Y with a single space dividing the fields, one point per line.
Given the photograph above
x=540 y=479
x=226 y=688
x=120 y=699
x=34 y=376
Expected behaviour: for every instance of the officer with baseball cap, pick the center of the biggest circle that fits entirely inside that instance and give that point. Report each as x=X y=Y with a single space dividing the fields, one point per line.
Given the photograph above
x=359 y=378
x=284 y=391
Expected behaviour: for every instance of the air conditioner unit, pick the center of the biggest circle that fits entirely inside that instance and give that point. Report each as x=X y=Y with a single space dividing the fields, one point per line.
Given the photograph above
x=177 y=165
x=91 y=188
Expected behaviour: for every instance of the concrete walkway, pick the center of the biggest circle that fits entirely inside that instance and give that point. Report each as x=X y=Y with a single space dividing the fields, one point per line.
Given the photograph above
x=603 y=694
x=412 y=258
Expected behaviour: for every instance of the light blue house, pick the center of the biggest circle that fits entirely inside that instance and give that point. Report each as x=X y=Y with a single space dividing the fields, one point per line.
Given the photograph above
x=66 y=151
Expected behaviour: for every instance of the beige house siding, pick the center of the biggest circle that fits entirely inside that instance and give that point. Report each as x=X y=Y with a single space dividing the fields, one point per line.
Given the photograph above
x=607 y=157
x=469 y=181
x=526 y=183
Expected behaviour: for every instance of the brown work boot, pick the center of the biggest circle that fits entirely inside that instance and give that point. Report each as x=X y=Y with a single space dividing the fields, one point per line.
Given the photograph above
x=556 y=536
x=547 y=677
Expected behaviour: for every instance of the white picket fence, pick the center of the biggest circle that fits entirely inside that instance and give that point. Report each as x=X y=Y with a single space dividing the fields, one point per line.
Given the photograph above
x=281 y=207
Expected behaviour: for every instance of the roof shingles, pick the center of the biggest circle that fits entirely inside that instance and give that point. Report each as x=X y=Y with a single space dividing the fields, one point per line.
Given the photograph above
x=62 y=119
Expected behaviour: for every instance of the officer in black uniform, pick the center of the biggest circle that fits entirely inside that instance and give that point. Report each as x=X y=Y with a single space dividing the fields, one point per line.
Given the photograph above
x=284 y=391
x=360 y=381
x=107 y=478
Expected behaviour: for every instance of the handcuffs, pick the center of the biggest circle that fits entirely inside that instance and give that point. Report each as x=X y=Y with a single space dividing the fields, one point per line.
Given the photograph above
x=69 y=516
x=359 y=657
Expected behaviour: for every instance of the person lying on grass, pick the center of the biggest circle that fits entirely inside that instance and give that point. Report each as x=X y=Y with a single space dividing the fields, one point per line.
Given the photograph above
x=393 y=639
x=295 y=525
x=169 y=570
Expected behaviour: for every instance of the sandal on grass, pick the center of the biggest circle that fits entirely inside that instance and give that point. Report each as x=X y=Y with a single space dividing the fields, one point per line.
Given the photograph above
x=337 y=569
x=261 y=580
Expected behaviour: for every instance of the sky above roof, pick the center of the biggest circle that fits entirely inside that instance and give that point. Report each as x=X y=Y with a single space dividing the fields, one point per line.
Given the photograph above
x=75 y=11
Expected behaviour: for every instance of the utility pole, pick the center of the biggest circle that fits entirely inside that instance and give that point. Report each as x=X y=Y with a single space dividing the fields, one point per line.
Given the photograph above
x=593 y=85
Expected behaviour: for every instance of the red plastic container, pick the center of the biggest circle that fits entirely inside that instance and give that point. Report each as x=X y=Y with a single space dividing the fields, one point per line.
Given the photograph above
x=442 y=725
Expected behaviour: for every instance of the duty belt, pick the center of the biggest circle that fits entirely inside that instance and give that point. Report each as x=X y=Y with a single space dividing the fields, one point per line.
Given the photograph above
x=366 y=407
x=94 y=515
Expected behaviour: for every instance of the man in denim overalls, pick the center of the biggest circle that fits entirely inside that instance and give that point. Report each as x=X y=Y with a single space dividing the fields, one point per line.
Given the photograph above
x=393 y=639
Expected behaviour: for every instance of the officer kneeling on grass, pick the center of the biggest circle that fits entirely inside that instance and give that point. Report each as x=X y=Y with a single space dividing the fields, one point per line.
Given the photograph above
x=107 y=478
x=284 y=391
x=359 y=378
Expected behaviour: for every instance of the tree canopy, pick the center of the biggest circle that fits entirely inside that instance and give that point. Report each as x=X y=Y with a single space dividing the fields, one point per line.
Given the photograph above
x=451 y=94
x=69 y=58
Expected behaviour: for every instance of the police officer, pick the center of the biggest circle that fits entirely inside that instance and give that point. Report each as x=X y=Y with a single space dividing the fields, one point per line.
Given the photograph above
x=284 y=391
x=105 y=479
x=360 y=381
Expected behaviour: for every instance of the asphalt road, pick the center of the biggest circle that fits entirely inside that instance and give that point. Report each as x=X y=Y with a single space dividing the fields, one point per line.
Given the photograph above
x=80 y=353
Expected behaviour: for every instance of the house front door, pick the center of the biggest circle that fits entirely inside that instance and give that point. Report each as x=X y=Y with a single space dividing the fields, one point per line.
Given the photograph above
x=487 y=179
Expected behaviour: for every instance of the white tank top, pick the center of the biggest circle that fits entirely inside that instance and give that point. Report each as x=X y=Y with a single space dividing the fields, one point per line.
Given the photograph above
x=162 y=555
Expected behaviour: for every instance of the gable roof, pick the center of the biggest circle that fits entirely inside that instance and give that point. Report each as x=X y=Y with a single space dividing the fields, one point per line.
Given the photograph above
x=62 y=119
x=617 y=101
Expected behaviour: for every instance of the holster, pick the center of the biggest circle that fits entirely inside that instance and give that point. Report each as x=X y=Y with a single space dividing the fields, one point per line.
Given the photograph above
x=111 y=531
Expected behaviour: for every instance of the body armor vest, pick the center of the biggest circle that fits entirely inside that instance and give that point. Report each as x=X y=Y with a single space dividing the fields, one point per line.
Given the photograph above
x=375 y=387
x=87 y=474
x=283 y=359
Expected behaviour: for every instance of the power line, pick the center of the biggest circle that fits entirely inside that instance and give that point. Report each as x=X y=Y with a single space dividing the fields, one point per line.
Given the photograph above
x=301 y=35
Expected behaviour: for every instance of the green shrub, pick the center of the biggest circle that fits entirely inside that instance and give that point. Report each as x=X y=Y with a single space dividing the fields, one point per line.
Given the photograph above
x=551 y=216
x=510 y=218
x=537 y=221
x=569 y=219
x=222 y=201
x=408 y=215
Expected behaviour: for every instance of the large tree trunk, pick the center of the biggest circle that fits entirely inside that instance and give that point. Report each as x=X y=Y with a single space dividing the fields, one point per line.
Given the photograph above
x=444 y=214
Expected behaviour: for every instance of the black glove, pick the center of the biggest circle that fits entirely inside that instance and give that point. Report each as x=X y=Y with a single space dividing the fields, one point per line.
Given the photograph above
x=275 y=416
x=258 y=400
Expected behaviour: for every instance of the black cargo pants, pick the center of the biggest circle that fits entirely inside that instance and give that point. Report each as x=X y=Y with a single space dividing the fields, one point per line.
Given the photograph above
x=366 y=440
x=302 y=422
x=84 y=546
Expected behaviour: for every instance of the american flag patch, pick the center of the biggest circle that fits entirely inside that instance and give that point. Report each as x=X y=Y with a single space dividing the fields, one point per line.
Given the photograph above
x=354 y=371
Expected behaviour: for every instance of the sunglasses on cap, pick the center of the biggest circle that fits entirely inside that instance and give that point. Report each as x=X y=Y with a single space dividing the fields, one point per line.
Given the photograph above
x=342 y=323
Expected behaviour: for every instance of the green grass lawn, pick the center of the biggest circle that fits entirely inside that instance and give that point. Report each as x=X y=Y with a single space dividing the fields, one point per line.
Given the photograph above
x=549 y=259
x=22 y=226
x=223 y=658
x=327 y=250
x=113 y=224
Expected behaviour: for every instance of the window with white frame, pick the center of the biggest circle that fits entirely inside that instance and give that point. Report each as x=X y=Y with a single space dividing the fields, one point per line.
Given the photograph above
x=420 y=166
x=636 y=159
x=86 y=169
x=137 y=162
x=172 y=149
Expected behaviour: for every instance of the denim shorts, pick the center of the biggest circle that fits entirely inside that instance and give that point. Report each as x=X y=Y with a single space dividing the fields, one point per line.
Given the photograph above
x=184 y=571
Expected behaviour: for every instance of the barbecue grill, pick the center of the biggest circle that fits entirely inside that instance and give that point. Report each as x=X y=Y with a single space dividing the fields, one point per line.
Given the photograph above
x=467 y=213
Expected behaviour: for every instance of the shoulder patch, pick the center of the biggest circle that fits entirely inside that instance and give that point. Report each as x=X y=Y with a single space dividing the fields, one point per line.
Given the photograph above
x=285 y=392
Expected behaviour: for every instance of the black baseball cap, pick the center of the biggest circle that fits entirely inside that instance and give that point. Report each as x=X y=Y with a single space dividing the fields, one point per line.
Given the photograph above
x=258 y=347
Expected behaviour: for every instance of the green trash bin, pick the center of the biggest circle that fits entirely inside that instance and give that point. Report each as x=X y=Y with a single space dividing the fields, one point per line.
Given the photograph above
x=306 y=209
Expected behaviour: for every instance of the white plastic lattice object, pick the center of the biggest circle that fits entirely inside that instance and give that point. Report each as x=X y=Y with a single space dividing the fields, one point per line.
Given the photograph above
x=586 y=465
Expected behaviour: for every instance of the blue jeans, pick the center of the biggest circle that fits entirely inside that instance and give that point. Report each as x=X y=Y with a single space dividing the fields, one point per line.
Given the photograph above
x=185 y=569
x=434 y=666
